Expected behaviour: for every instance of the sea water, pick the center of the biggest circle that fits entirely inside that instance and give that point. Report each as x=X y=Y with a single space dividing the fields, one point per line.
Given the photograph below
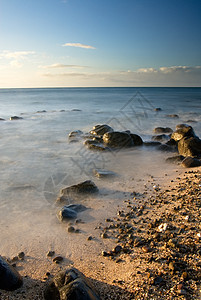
x=37 y=158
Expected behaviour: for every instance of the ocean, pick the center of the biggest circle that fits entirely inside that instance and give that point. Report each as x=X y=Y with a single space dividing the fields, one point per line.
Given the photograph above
x=37 y=158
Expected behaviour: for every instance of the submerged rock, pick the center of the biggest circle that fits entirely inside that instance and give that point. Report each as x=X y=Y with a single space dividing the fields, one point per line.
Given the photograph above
x=75 y=133
x=175 y=159
x=101 y=129
x=87 y=186
x=172 y=116
x=137 y=140
x=1 y=119
x=72 y=285
x=10 y=279
x=118 y=139
x=160 y=137
x=163 y=130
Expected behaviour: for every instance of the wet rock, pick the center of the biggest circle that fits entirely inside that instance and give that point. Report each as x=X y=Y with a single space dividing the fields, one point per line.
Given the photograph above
x=58 y=259
x=76 y=109
x=102 y=173
x=41 y=111
x=118 y=139
x=166 y=148
x=15 y=118
x=182 y=131
x=137 y=140
x=163 y=130
x=85 y=187
x=75 y=133
x=2 y=119
x=96 y=146
x=157 y=109
x=101 y=129
x=66 y=213
x=190 y=146
x=160 y=138
x=190 y=162
x=10 y=279
x=77 y=207
x=175 y=159
x=70 y=284
x=21 y=255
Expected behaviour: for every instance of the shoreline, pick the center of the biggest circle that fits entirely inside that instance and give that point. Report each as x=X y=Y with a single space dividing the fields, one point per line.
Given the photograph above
x=147 y=270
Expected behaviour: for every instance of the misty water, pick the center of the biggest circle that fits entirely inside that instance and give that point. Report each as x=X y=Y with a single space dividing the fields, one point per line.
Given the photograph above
x=37 y=159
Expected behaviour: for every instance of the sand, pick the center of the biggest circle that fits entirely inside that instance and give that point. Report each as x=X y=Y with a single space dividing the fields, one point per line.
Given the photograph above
x=156 y=262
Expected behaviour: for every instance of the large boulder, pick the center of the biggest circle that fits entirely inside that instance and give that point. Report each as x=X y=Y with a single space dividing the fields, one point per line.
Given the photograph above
x=101 y=129
x=70 y=285
x=182 y=130
x=118 y=139
x=10 y=279
x=87 y=186
x=190 y=146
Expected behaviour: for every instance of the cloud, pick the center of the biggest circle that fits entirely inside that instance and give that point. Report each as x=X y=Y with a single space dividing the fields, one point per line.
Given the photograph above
x=15 y=57
x=58 y=66
x=78 y=45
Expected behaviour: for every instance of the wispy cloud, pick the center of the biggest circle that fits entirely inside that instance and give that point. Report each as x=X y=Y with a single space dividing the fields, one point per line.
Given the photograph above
x=79 y=45
x=61 y=66
x=15 y=58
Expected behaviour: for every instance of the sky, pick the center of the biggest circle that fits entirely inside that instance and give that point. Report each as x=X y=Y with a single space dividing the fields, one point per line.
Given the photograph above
x=94 y=43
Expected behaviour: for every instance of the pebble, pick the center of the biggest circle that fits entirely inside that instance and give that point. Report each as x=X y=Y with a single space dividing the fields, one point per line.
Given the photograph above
x=21 y=255
x=50 y=253
x=57 y=259
x=71 y=229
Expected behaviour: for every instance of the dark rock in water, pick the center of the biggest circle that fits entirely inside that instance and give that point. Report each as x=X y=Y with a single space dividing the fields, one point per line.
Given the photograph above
x=96 y=146
x=72 y=285
x=160 y=138
x=41 y=111
x=163 y=130
x=157 y=109
x=2 y=119
x=102 y=173
x=191 y=121
x=76 y=109
x=152 y=144
x=67 y=213
x=118 y=139
x=15 y=118
x=137 y=140
x=87 y=186
x=75 y=133
x=101 y=129
x=190 y=162
x=10 y=279
x=190 y=146
x=172 y=143
x=166 y=148
x=172 y=116
x=182 y=130
x=175 y=159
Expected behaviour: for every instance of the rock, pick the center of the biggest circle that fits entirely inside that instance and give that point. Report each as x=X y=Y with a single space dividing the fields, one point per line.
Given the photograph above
x=76 y=109
x=15 y=118
x=137 y=140
x=160 y=138
x=157 y=109
x=67 y=213
x=190 y=146
x=58 y=259
x=96 y=146
x=2 y=119
x=172 y=116
x=166 y=148
x=175 y=159
x=72 y=285
x=85 y=187
x=21 y=255
x=163 y=130
x=71 y=229
x=50 y=253
x=10 y=279
x=117 y=249
x=75 y=133
x=182 y=130
x=101 y=129
x=190 y=162
x=102 y=173
x=118 y=139
x=41 y=111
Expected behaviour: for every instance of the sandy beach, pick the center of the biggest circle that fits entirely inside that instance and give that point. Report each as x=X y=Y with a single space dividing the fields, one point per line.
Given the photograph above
x=158 y=229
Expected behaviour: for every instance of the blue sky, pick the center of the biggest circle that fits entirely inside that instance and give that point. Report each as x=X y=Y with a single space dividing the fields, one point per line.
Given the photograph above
x=100 y=43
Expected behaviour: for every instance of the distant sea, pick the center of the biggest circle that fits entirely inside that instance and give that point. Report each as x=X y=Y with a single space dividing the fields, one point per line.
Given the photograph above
x=37 y=159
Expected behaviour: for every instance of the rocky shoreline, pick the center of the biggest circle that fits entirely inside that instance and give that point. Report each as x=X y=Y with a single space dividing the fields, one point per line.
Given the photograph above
x=151 y=249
